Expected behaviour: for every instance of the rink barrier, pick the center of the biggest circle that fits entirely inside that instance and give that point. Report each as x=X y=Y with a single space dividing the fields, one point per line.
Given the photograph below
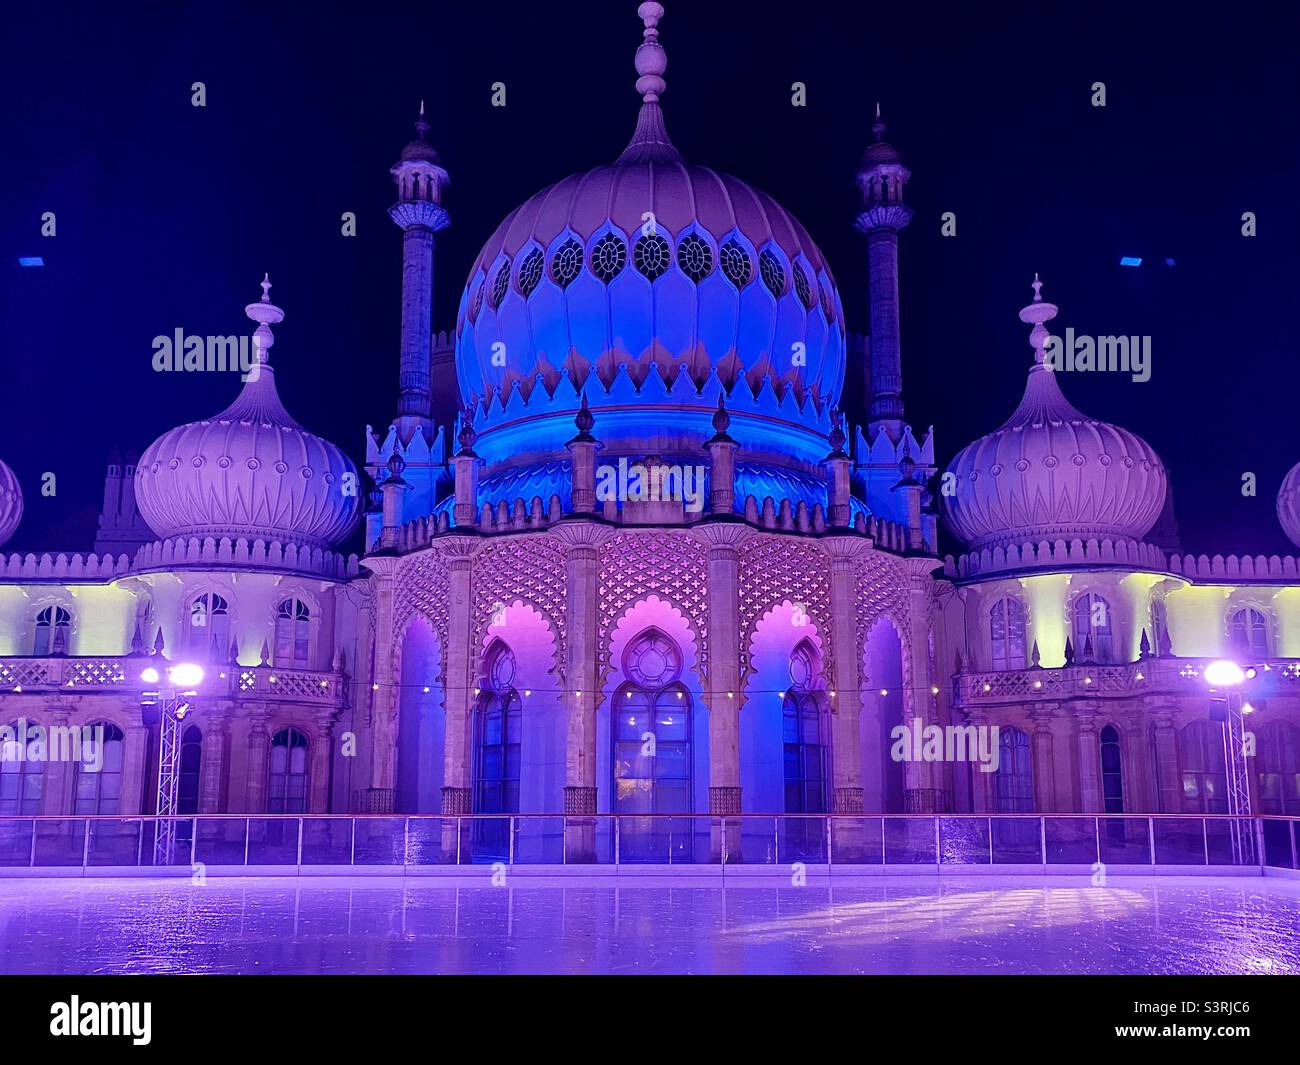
x=742 y=845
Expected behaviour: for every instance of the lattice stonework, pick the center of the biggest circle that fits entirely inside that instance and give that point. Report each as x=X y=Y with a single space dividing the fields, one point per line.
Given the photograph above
x=421 y=588
x=527 y=568
x=881 y=584
x=636 y=565
x=23 y=674
x=97 y=672
x=773 y=569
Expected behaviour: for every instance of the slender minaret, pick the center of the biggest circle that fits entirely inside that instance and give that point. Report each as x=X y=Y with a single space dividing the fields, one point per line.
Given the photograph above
x=881 y=182
x=420 y=178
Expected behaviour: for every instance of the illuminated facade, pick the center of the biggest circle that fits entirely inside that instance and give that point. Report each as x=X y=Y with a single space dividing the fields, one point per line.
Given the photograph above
x=517 y=637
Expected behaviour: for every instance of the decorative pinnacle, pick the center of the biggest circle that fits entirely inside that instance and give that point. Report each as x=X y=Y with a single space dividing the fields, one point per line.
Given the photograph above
x=266 y=314
x=1036 y=314
x=651 y=59
x=396 y=465
x=584 y=421
x=421 y=126
x=467 y=434
x=879 y=127
x=721 y=423
x=836 y=435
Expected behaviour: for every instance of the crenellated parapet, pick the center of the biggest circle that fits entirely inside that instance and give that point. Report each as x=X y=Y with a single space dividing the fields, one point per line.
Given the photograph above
x=1236 y=568
x=62 y=567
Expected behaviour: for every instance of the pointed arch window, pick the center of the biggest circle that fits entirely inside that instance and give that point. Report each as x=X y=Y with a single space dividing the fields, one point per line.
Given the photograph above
x=736 y=266
x=98 y=788
x=286 y=791
x=209 y=632
x=804 y=734
x=498 y=749
x=53 y=627
x=1007 y=634
x=1112 y=771
x=650 y=256
x=1093 y=629
x=22 y=780
x=1248 y=632
x=1015 y=773
x=652 y=757
x=292 y=633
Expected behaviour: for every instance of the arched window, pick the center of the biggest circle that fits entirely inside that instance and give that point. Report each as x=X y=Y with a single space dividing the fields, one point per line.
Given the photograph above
x=1112 y=771
x=187 y=794
x=498 y=748
x=292 y=633
x=1093 y=629
x=287 y=790
x=1277 y=761
x=53 y=626
x=803 y=734
x=209 y=626
x=99 y=772
x=1248 y=632
x=1015 y=773
x=22 y=780
x=1007 y=634
x=652 y=750
x=1200 y=752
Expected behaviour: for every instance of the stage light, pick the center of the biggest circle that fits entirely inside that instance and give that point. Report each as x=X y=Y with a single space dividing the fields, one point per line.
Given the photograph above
x=150 y=675
x=1224 y=674
x=186 y=675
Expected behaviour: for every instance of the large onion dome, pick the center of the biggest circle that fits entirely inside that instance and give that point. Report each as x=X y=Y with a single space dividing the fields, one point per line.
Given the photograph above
x=1051 y=473
x=651 y=286
x=11 y=503
x=251 y=471
x=1288 y=504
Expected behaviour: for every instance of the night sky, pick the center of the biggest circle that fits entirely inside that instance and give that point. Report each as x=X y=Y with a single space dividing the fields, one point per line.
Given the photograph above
x=168 y=214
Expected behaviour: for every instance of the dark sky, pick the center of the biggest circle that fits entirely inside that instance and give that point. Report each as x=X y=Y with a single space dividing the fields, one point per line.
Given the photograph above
x=168 y=214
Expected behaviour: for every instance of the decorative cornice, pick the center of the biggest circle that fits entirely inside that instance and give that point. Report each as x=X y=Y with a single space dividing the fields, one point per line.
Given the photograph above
x=890 y=216
x=412 y=214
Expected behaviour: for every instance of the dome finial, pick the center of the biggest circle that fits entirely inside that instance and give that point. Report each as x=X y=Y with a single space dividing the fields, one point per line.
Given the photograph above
x=421 y=126
x=651 y=59
x=650 y=142
x=878 y=128
x=266 y=314
x=1036 y=314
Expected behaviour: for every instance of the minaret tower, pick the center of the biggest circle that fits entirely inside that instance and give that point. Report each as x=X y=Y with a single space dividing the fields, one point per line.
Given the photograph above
x=420 y=179
x=881 y=181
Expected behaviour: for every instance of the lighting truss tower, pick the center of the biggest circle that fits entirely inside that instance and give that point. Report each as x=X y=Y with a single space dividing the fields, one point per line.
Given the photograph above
x=173 y=706
x=1234 y=762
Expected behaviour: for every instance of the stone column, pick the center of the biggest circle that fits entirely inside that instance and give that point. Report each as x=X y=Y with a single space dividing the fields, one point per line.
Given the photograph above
x=1044 y=790
x=135 y=769
x=212 y=765
x=722 y=463
x=582 y=461
x=1169 y=786
x=58 y=797
x=924 y=792
x=581 y=695
x=1089 y=755
x=464 y=465
x=256 y=767
x=322 y=763
x=848 y=836
x=984 y=797
x=383 y=699
x=724 y=537
x=462 y=663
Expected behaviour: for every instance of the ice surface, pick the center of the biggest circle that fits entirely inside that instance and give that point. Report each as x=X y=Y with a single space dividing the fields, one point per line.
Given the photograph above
x=985 y=924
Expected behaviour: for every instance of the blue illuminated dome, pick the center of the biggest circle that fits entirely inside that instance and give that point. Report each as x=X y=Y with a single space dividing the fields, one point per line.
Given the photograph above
x=653 y=287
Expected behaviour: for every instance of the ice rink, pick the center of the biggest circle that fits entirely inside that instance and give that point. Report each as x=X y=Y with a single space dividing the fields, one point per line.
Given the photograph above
x=985 y=924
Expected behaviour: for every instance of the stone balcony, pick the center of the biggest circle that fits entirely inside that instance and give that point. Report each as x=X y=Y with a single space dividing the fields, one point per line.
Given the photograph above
x=120 y=675
x=1147 y=676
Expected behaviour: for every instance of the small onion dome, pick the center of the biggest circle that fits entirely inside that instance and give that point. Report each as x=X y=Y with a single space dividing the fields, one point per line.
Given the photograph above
x=1288 y=505
x=1051 y=473
x=250 y=471
x=11 y=503
x=420 y=148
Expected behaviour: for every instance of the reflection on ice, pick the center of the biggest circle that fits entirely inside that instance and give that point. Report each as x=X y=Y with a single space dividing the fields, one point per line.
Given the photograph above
x=982 y=924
